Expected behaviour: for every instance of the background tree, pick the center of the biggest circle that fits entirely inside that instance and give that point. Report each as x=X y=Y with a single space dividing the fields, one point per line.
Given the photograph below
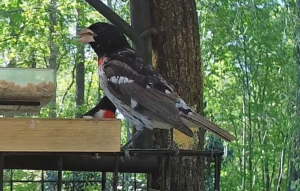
x=176 y=49
x=248 y=49
x=294 y=181
x=79 y=63
x=53 y=46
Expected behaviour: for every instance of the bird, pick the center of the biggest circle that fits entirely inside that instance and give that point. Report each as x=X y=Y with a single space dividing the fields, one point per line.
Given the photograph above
x=104 y=109
x=138 y=91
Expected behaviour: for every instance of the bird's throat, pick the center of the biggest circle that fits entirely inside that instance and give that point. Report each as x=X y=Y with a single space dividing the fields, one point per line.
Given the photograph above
x=101 y=60
x=108 y=114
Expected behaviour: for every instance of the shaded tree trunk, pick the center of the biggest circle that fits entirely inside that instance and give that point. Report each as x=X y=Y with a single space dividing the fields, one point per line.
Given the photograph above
x=176 y=55
x=33 y=58
x=79 y=69
x=53 y=48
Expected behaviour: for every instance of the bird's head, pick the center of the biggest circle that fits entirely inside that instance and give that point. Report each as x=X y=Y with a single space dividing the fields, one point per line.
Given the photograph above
x=105 y=38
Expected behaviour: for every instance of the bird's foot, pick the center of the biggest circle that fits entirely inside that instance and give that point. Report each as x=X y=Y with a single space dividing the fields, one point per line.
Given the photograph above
x=126 y=151
x=174 y=147
x=157 y=147
x=148 y=32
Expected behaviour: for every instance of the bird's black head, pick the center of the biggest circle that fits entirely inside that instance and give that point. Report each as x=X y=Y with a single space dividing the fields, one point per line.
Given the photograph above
x=105 y=39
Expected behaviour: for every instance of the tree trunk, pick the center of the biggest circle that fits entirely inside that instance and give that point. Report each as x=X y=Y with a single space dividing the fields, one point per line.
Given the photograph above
x=176 y=55
x=79 y=68
x=53 y=48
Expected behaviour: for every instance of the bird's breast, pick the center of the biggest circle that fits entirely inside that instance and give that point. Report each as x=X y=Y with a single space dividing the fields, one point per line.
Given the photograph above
x=101 y=61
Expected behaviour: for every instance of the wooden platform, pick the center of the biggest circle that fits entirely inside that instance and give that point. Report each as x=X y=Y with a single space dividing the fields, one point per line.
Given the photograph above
x=60 y=135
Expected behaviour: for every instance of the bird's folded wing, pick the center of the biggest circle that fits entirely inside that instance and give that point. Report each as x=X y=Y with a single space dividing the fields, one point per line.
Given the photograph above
x=135 y=91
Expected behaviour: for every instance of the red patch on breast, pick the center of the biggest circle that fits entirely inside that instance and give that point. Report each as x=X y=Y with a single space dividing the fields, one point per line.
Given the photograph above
x=101 y=60
x=108 y=114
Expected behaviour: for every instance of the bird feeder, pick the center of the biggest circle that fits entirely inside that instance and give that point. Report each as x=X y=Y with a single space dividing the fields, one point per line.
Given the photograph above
x=24 y=91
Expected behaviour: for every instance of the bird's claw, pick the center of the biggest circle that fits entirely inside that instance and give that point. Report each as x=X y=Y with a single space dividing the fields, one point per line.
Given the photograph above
x=157 y=147
x=126 y=151
x=97 y=155
x=174 y=147
x=148 y=32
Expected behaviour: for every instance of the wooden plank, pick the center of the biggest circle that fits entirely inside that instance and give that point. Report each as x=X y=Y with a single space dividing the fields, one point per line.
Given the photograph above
x=60 y=135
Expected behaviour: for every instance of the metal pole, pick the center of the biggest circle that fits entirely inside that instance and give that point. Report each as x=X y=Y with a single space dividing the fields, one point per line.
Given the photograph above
x=134 y=181
x=103 y=181
x=1 y=171
x=115 y=178
x=11 y=180
x=140 y=21
x=163 y=174
x=180 y=177
x=59 y=178
x=218 y=160
x=43 y=180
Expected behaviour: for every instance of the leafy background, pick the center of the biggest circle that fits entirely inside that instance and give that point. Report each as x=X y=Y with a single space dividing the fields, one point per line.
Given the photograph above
x=251 y=54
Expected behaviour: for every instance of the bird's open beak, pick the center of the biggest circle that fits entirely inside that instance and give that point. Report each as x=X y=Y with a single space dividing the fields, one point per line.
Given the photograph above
x=86 y=36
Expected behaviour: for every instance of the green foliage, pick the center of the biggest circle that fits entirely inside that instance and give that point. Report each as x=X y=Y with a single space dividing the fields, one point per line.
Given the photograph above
x=248 y=49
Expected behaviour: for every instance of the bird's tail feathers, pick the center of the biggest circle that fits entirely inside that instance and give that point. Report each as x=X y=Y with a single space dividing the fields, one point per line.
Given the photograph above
x=196 y=120
x=185 y=130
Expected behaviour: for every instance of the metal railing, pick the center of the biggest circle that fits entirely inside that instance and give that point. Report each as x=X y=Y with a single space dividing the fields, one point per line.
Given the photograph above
x=140 y=161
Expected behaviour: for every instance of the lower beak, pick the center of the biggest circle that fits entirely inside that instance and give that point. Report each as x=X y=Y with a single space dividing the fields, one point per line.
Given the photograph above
x=85 y=36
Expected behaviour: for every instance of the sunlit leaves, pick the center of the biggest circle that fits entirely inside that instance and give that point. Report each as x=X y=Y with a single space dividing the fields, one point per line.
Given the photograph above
x=248 y=49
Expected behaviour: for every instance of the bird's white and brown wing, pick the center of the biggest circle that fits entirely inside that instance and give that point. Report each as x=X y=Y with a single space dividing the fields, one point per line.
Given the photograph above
x=138 y=92
x=143 y=89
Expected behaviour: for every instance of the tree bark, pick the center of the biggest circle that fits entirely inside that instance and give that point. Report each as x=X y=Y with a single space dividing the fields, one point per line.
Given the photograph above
x=80 y=73
x=177 y=56
x=53 y=49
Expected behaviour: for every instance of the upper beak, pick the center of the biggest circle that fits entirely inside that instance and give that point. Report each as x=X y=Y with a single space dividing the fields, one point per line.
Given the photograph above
x=86 y=35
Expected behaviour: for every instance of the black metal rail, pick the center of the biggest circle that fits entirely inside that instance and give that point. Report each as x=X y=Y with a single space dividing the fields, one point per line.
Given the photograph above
x=113 y=162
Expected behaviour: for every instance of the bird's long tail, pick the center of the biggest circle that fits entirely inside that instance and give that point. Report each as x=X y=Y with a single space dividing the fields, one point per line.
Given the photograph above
x=196 y=120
